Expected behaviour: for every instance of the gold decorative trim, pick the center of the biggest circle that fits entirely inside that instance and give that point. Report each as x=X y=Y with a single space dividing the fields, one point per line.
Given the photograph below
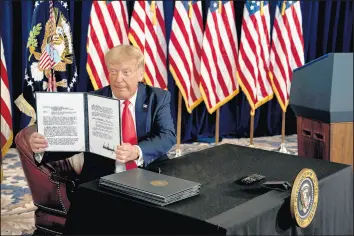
x=304 y=197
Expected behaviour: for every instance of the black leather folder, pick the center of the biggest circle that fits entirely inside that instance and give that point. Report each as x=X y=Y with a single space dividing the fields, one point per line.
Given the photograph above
x=149 y=186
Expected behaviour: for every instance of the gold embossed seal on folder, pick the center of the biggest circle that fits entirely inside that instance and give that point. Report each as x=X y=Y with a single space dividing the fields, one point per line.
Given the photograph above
x=159 y=183
x=304 y=197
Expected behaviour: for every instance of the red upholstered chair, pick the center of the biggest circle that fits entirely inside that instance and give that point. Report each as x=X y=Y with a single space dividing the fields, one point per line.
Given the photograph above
x=49 y=184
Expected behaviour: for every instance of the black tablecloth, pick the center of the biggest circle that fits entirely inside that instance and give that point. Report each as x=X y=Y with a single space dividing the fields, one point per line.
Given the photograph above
x=223 y=206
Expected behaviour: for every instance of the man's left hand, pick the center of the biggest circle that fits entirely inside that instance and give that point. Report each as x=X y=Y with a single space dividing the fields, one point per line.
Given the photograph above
x=126 y=152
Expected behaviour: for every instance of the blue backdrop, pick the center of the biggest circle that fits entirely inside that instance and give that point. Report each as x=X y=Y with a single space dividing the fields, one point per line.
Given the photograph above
x=327 y=27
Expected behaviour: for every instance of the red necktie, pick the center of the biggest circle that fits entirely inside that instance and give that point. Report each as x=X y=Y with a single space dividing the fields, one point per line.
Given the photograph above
x=128 y=131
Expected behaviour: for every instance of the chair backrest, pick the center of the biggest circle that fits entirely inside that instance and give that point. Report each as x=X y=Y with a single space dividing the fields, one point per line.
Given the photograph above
x=48 y=194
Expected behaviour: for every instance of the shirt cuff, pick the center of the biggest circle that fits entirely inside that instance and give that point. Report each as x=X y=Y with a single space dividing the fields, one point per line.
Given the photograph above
x=39 y=157
x=140 y=161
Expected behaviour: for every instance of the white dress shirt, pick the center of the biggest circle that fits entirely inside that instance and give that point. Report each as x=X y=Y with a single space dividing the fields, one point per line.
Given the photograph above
x=119 y=166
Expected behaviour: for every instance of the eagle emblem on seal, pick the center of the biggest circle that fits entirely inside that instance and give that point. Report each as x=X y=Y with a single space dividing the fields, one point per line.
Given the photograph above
x=159 y=183
x=304 y=197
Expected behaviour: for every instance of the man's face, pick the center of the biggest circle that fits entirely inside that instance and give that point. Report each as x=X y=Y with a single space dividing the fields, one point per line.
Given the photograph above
x=124 y=78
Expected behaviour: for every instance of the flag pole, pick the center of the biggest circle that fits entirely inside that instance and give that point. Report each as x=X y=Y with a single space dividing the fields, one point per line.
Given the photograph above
x=251 y=131
x=217 y=126
x=282 y=147
x=179 y=121
x=252 y=111
x=217 y=110
x=283 y=128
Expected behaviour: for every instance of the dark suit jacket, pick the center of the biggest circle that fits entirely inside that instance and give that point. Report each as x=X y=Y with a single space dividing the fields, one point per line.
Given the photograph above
x=154 y=126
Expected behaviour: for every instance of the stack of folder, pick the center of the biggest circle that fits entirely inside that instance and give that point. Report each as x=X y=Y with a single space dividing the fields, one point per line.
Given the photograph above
x=149 y=186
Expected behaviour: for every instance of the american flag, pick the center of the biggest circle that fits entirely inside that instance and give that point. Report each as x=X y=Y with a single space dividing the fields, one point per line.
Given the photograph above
x=287 y=51
x=108 y=27
x=147 y=31
x=253 y=73
x=6 y=113
x=46 y=60
x=219 y=55
x=185 y=50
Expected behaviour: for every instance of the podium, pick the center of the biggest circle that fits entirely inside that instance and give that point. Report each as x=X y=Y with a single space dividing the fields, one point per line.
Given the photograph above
x=321 y=97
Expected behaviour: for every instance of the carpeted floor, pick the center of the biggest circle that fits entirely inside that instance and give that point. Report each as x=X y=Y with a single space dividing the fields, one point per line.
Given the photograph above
x=17 y=209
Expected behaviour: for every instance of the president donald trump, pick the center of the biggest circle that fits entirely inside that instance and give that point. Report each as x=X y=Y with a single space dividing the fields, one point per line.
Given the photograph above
x=147 y=126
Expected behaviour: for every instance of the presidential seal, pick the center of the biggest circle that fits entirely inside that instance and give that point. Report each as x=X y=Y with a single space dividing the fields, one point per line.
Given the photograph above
x=304 y=197
x=159 y=183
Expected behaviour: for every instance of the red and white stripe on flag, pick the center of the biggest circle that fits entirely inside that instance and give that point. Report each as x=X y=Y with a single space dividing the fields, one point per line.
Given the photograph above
x=147 y=32
x=253 y=67
x=108 y=27
x=46 y=61
x=6 y=113
x=219 y=55
x=287 y=51
x=185 y=50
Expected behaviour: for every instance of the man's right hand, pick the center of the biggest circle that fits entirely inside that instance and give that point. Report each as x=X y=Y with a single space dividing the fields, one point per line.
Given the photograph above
x=38 y=143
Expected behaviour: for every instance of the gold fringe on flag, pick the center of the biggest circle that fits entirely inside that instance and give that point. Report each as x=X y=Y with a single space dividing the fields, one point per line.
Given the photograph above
x=26 y=108
x=220 y=6
x=190 y=12
x=283 y=8
x=153 y=10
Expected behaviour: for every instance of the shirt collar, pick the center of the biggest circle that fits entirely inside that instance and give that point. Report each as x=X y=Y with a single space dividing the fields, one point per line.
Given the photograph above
x=132 y=100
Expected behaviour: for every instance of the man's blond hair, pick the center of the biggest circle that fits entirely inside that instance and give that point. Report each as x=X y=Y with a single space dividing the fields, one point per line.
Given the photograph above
x=123 y=53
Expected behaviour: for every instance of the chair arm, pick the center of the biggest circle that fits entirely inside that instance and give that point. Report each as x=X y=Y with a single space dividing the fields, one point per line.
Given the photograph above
x=70 y=184
x=62 y=172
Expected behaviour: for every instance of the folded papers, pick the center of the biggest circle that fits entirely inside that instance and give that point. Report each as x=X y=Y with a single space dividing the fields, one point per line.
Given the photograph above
x=149 y=186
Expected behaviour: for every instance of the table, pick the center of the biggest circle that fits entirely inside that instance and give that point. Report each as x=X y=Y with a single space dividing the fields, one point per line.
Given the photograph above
x=223 y=207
